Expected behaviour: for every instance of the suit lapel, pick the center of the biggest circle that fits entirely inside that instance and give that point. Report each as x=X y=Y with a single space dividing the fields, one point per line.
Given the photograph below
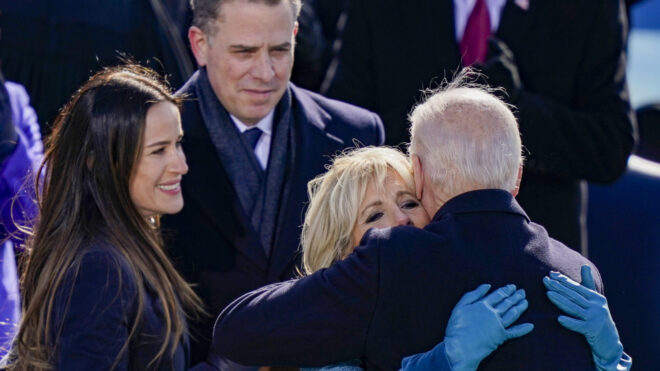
x=516 y=24
x=207 y=184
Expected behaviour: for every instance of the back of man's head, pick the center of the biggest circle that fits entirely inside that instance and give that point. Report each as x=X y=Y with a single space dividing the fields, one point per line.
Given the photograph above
x=206 y=12
x=466 y=139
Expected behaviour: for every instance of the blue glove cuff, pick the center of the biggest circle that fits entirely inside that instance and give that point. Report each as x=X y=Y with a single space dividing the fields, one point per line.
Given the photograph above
x=434 y=359
x=621 y=363
x=465 y=362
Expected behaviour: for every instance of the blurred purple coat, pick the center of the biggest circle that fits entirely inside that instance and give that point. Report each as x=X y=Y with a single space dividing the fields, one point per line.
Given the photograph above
x=16 y=183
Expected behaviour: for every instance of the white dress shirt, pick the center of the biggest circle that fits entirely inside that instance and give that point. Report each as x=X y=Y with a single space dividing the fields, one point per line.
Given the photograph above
x=463 y=8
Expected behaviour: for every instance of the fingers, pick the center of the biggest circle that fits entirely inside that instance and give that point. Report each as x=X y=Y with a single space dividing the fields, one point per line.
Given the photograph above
x=574 y=286
x=512 y=314
x=519 y=330
x=566 y=305
x=591 y=297
x=500 y=294
x=572 y=324
x=474 y=295
x=587 y=278
x=509 y=302
x=569 y=292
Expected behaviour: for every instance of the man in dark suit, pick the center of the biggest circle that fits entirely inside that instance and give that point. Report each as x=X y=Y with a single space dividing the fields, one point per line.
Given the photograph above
x=562 y=63
x=392 y=297
x=253 y=141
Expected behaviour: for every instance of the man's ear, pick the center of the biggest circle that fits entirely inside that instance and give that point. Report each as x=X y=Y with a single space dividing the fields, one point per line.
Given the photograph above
x=199 y=44
x=516 y=189
x=418 y=176
x=295 y=29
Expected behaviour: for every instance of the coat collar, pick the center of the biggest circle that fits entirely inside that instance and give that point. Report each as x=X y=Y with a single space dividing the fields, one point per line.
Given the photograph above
x=312 y=113
x=487 y=200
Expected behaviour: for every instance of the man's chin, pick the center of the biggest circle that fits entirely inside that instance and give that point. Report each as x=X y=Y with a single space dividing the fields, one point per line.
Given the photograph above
x=258 y=110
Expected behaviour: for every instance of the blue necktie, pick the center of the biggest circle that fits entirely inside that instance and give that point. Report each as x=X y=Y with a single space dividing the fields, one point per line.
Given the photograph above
x=252 y=136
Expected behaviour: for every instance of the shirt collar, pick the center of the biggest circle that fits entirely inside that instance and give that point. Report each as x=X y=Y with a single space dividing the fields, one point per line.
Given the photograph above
x=265 y=124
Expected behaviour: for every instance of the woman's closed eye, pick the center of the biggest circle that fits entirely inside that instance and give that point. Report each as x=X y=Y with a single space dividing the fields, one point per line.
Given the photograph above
x=374 y=217
x=158 y=151
x=410 y=204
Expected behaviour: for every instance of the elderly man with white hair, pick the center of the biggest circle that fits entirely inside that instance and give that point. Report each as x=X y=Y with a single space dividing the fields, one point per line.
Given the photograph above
x=393 y=296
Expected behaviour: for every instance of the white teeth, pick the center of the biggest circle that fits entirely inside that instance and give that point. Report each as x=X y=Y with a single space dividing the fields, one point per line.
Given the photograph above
x=170 y=187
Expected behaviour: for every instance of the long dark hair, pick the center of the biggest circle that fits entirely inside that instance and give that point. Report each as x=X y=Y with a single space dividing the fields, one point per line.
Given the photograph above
x=83 y=196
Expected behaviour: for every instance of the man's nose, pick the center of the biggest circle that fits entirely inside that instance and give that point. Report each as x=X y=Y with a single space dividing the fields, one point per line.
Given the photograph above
x=263 y=67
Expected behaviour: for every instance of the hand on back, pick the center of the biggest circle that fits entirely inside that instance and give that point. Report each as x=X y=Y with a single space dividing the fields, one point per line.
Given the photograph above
x=588 y=314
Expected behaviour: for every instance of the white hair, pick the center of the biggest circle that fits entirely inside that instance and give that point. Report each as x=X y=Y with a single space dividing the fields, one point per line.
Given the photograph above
x=466 y=138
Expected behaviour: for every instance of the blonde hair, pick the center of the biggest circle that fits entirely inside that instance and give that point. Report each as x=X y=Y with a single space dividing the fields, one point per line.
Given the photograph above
x=334 y=199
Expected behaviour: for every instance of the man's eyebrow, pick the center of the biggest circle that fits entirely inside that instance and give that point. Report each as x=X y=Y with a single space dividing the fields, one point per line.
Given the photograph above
x=242 y=47
x=283 y=45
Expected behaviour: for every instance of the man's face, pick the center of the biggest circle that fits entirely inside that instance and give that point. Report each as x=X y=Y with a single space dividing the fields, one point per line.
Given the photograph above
x=249 y=57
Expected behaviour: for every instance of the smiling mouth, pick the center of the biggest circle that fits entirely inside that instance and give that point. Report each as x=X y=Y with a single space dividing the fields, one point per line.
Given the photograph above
x=170 y=187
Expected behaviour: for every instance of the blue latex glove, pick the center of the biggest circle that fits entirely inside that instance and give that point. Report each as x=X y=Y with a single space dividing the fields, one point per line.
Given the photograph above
x=477 y=326
x=590 y=316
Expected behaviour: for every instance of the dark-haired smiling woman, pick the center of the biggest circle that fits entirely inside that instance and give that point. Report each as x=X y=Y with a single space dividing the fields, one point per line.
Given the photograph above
x=98 y=290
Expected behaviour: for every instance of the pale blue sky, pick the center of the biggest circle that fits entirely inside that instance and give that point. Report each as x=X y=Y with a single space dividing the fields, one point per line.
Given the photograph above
x=644 y=54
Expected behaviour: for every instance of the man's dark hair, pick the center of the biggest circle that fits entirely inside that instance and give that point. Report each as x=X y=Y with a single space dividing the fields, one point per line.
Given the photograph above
x=205 y=12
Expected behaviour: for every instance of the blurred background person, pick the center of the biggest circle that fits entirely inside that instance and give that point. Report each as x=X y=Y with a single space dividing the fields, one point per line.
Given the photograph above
x=21 y=153
x=53 y=46
x=321 y=25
